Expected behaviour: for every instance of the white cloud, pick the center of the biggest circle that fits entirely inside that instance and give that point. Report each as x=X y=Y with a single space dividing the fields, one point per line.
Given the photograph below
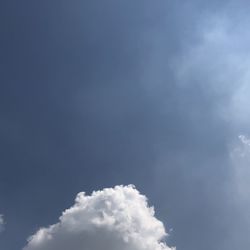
x=116 y=218
x=1 y=223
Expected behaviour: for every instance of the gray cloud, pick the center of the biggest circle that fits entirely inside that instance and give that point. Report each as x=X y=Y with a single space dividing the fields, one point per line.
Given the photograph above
x=1 y=223
x=113 y=218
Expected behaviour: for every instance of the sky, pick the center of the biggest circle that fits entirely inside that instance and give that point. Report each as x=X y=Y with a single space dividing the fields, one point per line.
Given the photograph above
x=110 y=108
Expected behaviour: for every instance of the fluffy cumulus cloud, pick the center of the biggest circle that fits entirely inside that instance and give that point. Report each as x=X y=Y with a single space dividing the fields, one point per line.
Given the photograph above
x=1 y=223
x=110 y=219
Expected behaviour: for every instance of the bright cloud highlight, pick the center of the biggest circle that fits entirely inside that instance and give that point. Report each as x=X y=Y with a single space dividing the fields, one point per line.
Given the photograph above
x=116 y=218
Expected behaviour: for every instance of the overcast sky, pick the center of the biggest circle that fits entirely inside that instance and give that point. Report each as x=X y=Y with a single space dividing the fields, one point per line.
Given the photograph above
x=96 y=94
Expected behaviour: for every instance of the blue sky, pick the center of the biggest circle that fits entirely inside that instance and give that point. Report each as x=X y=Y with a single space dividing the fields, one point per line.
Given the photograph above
x=151 y=93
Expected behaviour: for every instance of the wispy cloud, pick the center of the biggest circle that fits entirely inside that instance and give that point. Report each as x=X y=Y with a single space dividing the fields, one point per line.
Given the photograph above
x=219 y=64
x=244 y=140
x=240 y=156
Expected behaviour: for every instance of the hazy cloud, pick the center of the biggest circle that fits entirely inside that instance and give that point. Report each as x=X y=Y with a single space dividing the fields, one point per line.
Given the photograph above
x=240 y=150
x=244 y=140
x=218 y=62
x=113 y=218
x=240 y=156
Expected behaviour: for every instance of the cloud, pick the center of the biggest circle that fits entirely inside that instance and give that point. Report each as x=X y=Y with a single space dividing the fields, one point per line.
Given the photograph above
x=240 y=150
x=110 y=219
x=218 y=63
x=244 y=140
x=1 y=223
x=240 y=160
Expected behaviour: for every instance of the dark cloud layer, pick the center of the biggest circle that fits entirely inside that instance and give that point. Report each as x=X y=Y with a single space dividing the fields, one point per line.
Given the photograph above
x=99 y=93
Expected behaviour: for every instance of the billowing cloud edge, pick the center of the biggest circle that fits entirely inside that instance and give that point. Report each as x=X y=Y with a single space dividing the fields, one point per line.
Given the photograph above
x=112 y=218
